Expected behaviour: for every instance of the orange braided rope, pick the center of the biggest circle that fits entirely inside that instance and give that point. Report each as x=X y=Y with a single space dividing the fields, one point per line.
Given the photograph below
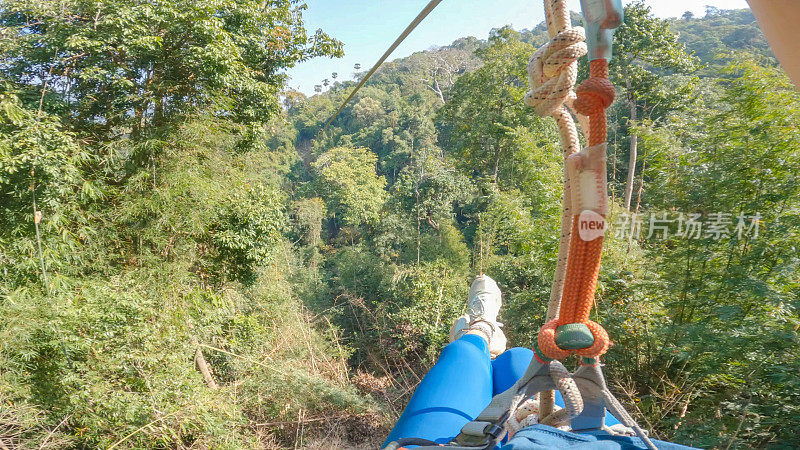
x=595 y=95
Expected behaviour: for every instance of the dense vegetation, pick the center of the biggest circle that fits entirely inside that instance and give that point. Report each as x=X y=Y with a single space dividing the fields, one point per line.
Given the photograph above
x=187 y=264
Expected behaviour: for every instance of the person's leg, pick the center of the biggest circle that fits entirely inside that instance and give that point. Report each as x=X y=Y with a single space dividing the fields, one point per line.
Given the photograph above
x=453 y=393
x=509 y=367
x=459 y=386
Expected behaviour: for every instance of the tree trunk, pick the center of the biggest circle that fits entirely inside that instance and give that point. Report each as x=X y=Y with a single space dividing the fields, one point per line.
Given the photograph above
x=497 y=151
x=438 y=90
x=633 y=154
x=204 y=369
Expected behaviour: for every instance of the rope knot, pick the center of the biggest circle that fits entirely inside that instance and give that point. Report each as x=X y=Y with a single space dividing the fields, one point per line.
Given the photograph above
x=595 y=94
x=528 y=413
x=553 y=70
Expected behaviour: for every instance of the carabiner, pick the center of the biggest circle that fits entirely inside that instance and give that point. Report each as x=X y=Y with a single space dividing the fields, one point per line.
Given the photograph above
x=600 y=19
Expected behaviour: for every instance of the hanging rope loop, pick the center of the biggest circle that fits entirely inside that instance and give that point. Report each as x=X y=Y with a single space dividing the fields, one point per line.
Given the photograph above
x=530 y=412
x=558 y=342
x=572 y=332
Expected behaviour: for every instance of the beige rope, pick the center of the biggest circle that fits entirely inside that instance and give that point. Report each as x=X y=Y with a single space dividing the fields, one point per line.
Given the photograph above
x=530 y=412
x=552 y=72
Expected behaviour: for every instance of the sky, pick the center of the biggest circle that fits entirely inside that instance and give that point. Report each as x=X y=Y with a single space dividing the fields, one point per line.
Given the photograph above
x=368 y=27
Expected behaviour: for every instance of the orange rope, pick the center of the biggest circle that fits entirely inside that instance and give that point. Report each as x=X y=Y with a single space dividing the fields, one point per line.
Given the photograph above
x=595 y=95
x=583 y=268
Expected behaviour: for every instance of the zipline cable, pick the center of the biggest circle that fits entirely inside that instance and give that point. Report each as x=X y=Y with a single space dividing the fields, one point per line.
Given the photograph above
x=422 y=15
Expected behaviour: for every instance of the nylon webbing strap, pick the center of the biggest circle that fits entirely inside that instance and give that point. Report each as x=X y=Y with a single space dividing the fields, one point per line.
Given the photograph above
x=590 y=382
x=504 y=402
x=537 y=378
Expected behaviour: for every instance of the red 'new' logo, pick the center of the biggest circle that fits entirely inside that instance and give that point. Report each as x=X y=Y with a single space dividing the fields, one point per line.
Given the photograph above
x=591 y=225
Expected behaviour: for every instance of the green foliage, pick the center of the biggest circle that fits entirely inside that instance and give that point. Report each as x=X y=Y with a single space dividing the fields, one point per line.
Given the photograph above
x=718 y=34
x=428 y=297
x=645 y=51
x=429 y=185
x=114 y=357
x=187 y=216
x=650 y=66
x=246 y=233
x=738 y=294
x=308 y=215
x=645 y=42
x=137 y=64
x=486 y=106
x=40 y=162
x=149 y=140
x=346 y=179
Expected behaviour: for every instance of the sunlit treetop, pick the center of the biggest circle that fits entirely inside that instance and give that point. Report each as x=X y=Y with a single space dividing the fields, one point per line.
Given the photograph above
x=117 y=67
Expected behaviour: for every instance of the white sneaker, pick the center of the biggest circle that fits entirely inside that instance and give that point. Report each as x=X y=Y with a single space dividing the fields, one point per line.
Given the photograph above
x=460 y=327
x=484 y=299
x=483 y=306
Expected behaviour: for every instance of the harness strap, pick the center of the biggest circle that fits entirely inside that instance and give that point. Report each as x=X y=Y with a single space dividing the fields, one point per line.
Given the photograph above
x=489 y=428
x=619 y=411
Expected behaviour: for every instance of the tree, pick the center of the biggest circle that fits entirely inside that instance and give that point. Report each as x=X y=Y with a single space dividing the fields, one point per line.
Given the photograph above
x=308 y=215
x=730 y=292
x=486 y=106
x=366 y=111
x=346 y=180
x=731 y=31
x=246 y=232
x=428 y=187
x=292 y=98
x=644 y=50
x=712 y=11
x=112 y=67
x=41 y=184
x=440 y=68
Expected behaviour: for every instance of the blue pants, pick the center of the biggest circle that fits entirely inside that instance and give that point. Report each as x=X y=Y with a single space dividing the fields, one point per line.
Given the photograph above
x=458 y=388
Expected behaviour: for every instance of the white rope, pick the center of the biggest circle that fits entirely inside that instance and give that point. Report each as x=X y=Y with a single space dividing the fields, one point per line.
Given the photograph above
x=552 y=73
x=530 y=413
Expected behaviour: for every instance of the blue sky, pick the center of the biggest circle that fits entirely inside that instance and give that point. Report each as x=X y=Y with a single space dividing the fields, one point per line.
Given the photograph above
x=368 y=27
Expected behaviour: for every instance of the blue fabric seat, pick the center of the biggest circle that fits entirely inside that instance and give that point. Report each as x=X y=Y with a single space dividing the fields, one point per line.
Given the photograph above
x=542 y=437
